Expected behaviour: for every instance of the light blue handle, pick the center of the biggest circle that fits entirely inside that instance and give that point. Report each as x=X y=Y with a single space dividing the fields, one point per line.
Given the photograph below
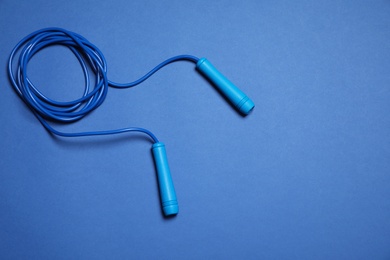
x=230 y=91
x=167 y=190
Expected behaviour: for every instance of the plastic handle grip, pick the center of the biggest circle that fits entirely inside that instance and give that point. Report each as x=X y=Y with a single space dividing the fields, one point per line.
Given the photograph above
x=167 y=191
x=242 y=103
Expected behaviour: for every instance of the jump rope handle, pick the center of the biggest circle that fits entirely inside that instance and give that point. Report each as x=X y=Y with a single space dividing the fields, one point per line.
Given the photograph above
x=233 y=94
x=167 y=190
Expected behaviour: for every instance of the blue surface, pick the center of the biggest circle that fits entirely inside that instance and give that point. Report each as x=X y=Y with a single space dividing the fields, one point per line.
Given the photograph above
x=305 y=176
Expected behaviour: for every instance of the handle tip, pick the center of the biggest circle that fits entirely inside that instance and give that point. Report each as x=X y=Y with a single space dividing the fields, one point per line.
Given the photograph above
x=170 y=208
x=246 y=106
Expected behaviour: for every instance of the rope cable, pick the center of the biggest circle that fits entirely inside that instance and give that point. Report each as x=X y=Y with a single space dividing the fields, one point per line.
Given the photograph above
x=93 y=64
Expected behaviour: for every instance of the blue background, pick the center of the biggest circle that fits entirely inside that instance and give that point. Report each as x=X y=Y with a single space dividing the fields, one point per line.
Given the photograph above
x=305 y=176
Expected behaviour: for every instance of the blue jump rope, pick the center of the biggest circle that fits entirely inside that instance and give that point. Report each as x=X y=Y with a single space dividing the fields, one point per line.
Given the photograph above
x=94 y=64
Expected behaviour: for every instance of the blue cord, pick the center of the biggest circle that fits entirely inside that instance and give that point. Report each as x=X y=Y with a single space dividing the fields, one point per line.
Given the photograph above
x=92 y=62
